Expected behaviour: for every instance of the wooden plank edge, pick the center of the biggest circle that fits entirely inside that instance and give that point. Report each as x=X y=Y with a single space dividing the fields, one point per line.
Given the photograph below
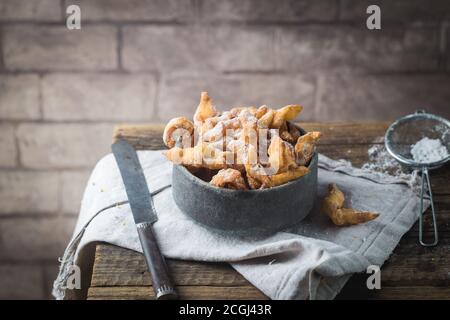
x=184 y=292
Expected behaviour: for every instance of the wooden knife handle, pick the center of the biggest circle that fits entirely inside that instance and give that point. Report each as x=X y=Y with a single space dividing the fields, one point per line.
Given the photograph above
x=162 y=284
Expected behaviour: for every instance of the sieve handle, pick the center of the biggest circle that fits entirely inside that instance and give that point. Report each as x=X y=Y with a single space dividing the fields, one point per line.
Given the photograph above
x=425 y=176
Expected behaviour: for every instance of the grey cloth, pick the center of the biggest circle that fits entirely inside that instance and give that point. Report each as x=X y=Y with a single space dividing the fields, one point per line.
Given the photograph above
x=312 y=260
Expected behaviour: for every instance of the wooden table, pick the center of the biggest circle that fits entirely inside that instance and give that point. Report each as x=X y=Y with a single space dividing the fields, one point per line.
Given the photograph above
x=412 y=271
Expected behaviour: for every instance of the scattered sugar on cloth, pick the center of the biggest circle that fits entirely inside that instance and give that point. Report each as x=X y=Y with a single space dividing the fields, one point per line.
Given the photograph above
x=382 y=162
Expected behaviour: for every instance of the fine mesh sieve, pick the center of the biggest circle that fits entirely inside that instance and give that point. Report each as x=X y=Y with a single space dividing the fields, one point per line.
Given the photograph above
x=399 y=139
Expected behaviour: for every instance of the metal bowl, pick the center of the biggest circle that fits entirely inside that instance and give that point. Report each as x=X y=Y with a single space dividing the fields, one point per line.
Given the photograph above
x=262 y=211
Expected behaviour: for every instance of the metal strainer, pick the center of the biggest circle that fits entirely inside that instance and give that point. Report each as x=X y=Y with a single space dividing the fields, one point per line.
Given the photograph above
x=400 y=137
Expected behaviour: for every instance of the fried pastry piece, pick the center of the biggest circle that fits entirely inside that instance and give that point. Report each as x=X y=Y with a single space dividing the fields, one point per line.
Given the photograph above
x=293 y=131
x=191 y=157
x=229 y=178
x=214 y=134
x=208 y=124
x=205 y=109
x=253 y=183
x=199 y=156
x=252 y=110
x=281 y=155
x=289 y=132
x=282 y=178
x=248 y=134
x=247 y=119
x=265 y=121
x=333 y=206
x=286 y=113
x=232 y=123
x=182 y=127
x=245 y=147
x=247 y=152
x=247 y=155
x=305 y=146
x=236 y=110
x=285 y=134
x=261 y=111
x=233 y=145
x=237 y=154
x=215 y=128
x=259 y=178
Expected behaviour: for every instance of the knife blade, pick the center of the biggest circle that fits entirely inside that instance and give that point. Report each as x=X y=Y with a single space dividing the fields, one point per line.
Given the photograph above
x=144 y=214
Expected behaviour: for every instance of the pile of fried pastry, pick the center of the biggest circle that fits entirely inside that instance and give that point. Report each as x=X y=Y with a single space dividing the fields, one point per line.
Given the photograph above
x=243 y=148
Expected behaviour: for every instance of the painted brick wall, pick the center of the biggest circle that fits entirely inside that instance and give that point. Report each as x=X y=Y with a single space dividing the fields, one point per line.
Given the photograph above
x=147 y=61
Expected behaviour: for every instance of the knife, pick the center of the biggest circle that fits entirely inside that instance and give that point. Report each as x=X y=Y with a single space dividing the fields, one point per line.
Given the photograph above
x=144 y=214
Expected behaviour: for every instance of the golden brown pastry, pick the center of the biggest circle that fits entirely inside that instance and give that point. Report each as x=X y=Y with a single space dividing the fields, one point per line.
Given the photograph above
x=229 y=178
x=305 y=147
x=257 y=147
x=205 y=109
x=333 y=207
x=185 y=130
x=284 y=114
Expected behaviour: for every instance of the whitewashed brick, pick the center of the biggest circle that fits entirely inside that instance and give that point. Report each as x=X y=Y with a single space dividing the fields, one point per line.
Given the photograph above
x=73 y=184
x=19 y=97
x=31 y=239
x=398 y=11
x=193 y=48
x=242 y=48
x=135 y=10
x=350 y=49
x=30 y=10
x=63 y=145
x=165 y=48
x=99 y=97
x=269 y=10
x=180 y=94
x=371 y=98
x=57 y=48
x=28 y=192
x=8 y=150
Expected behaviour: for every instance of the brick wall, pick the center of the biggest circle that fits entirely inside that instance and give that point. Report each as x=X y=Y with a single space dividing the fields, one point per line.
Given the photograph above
x=61 y=91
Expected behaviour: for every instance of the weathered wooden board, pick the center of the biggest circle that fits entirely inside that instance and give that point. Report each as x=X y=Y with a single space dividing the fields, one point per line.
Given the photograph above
x=360 y=292
x=127 y=268
x=249 y=293
x=412 y=272
x=121 y=267
x=184 y=292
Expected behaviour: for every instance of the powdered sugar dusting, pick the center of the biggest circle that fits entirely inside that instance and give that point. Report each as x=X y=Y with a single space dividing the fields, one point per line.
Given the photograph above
x=424 y=151
x=428 y=150
x=382 y=162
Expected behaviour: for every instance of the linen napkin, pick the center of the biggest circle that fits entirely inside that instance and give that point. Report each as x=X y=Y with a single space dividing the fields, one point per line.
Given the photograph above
x=312 y=260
